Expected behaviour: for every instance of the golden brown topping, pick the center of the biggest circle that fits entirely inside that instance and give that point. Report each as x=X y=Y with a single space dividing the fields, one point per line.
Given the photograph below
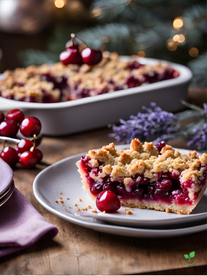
x=29 y=82
x=145 y=159
x=203 y=158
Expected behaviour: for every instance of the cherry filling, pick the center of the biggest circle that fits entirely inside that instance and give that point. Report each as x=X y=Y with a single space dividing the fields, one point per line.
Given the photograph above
x=166 y=188
x=134 y=65
x=151 y=77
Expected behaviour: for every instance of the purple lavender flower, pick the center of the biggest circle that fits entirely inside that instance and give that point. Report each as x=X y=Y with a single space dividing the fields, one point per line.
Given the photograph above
x=199 y=140
x=145 y=126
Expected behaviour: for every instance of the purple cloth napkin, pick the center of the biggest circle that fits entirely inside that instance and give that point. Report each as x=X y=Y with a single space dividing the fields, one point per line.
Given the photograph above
x=21 y=225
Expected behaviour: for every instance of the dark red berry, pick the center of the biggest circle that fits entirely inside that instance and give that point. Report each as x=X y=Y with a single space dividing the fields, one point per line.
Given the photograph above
x=16 y=114
x=1 y=116
x=91 y=56
x=165 y=184
x=108 y=201
x=71 y=45
x=71 y=56
x=38 y=153
x=9 y=128
x=24 y=145
x=30 y=126
x=28 y=159
x=160 y=145
x=10 y=156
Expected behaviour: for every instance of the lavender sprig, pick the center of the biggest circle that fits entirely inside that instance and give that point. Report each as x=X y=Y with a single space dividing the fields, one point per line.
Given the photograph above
x=156 y=124
x=146 y=126
x=200 y=139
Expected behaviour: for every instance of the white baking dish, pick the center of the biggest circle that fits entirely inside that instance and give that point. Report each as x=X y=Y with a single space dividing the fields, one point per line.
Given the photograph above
x=98 y=111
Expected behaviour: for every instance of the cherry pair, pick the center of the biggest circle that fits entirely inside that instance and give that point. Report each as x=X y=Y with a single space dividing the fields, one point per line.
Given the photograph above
x=72 y=55
x=16 y=120
x=28 y=158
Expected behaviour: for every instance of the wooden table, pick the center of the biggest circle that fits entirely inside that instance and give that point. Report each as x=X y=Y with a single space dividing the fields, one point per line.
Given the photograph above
x=77 y=250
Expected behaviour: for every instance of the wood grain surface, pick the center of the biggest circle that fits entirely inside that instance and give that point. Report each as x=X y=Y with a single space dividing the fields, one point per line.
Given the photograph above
x=77 y=250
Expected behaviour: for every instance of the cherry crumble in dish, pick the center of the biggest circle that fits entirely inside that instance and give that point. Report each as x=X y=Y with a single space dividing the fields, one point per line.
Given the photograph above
x=145 y=176
x=60 y=82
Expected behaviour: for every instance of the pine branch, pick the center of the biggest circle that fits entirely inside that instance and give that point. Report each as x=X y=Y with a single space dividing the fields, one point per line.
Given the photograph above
x=121 y=36
x=199 y=69
x=30 y=57
x=123 y=11
x=154 y=38
x=196 y=15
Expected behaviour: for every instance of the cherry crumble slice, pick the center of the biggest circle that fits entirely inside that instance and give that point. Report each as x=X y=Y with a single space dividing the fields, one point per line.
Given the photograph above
x=146 y=177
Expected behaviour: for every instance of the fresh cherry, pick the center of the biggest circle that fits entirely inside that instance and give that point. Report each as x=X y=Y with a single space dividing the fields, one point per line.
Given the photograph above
x=24 y=145
x=71 y=56
x=9 y=128
x=38 y=153
x=30 y=126
x=28 y=159
x=91 y=56
x=71 y=45
x=10 y=156
x=164 y=185
x=16 y=115
x=160 y=145
x=1 y=116
x=108 y=201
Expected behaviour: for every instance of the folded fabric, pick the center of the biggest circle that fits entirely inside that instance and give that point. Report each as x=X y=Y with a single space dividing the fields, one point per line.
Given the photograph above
x=21 y=225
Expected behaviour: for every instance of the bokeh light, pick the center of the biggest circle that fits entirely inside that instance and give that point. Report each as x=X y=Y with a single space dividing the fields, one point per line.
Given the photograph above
x=180 y=38
x=141 y=54
x=178 y=23
x=106 y=39
x=59 y=3
x=193 y=52
x=172 y=45
x=95 y=12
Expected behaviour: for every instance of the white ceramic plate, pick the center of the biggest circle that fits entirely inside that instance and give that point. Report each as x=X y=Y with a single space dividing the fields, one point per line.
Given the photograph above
x=89 y=113
x=63 y=180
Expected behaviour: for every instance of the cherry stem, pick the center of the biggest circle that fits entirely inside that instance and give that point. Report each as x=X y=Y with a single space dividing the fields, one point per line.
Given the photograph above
x=34 y=142
x=74 y=35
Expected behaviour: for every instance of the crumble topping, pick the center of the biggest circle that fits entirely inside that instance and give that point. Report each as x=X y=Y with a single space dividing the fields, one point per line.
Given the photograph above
x=34 y=83
x=145 y=159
